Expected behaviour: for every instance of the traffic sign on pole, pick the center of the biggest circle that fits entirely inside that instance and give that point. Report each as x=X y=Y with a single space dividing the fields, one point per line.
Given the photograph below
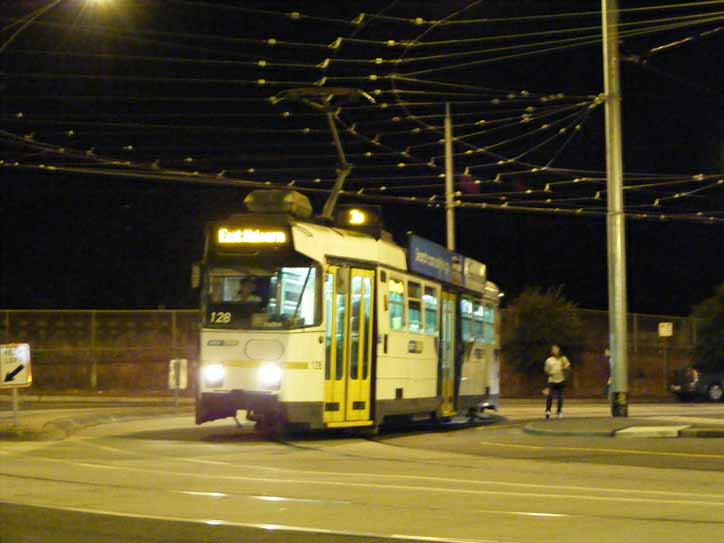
x=666 y=329
x=15 y=365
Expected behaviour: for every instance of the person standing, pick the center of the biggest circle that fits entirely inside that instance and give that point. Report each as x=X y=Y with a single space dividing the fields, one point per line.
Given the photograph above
x=555 y=367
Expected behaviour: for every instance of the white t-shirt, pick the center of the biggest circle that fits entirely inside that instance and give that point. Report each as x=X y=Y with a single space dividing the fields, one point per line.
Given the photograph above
x=554 y=368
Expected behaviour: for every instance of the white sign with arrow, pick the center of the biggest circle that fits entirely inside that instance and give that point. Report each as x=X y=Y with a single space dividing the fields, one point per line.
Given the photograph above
x=15 y=365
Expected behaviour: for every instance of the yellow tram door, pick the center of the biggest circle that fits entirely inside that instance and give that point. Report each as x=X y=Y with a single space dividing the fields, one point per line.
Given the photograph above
x=447 y=355
x=348 y=295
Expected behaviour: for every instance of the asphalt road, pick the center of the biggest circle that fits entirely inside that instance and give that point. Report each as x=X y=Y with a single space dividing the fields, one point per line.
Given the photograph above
x=168 y=480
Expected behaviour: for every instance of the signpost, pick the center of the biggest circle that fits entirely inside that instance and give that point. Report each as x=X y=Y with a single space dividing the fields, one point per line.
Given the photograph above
x=666 y=332
x=15 y=371
x=177 y=376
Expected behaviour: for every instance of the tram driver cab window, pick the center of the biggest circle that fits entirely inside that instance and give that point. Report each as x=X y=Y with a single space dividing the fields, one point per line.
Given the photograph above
x=397 y=303
x=283 y=297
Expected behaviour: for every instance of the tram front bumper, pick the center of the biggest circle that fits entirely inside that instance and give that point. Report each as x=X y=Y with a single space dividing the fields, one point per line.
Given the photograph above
x=220 y=405
x=257 y=404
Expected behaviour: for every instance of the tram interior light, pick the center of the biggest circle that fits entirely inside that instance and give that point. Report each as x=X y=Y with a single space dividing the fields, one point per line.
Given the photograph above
x=270 y=375
x=214 y=375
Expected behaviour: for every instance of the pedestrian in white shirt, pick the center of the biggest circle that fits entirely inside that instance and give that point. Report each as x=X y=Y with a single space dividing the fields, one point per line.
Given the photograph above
x=555 y=368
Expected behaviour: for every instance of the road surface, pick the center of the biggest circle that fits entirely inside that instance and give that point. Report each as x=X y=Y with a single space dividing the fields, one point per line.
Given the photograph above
x=167 y=480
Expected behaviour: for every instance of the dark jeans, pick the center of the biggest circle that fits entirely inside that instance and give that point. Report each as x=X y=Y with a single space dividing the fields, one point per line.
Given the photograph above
x=557 y=389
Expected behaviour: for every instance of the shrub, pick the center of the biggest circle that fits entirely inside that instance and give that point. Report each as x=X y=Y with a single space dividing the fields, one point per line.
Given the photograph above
x=535 y=321
x=709 y=348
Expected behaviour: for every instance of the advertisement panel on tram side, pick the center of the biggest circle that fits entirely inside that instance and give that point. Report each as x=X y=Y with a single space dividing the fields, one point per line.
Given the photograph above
x=433 y=260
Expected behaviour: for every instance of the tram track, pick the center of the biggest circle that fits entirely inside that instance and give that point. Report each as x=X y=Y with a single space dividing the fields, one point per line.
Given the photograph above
x=395 y=487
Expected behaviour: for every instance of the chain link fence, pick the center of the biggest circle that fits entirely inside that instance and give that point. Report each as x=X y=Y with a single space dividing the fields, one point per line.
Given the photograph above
x=650 y=357
x=130 y=350
x=103 y=350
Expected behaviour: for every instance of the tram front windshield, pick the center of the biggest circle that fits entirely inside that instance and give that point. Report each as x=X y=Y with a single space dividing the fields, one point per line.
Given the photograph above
x=284 y=297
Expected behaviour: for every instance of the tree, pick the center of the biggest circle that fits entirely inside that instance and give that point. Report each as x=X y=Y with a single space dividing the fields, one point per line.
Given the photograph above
x=535 y=321
x=709 y=348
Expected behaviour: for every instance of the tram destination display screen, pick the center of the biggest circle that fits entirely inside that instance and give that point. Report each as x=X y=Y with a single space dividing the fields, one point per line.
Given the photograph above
x=250 y=238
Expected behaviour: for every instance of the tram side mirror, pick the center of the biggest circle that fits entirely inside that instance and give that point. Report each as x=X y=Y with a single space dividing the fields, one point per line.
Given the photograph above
x=195 y=275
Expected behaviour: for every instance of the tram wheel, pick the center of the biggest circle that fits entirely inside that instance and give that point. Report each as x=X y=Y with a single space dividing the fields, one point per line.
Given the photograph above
x=271 y=426
x=371 y=431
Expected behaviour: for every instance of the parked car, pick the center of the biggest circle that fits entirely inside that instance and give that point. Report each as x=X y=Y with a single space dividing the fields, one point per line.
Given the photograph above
x=698 y=381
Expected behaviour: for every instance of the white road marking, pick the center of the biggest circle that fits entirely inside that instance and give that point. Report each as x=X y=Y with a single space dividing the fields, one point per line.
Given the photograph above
x=199 y=461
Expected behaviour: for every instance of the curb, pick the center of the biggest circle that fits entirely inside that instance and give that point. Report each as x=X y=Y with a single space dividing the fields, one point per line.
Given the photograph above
x=532 y=428
x=702 y=432
x=59 y=429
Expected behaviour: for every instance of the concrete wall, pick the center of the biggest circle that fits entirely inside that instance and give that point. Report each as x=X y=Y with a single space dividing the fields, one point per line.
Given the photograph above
x=130 y=350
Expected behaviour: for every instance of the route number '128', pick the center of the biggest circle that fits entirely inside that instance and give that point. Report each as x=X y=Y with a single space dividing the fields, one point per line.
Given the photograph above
x=220 y=317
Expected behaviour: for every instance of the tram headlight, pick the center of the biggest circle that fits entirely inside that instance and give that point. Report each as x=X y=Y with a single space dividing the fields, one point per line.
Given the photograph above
x=270 y=376
x=213 y=375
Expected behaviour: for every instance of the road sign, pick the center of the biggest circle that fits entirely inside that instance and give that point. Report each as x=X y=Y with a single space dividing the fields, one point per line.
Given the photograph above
x=178 y=374
x=15 y=365
x=666 y=329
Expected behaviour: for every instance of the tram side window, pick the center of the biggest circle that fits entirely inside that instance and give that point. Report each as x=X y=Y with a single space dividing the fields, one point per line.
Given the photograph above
x=414 y=307
x=479 y=316
x=489 y=324
x=430 y=301
x=466 y=312
x=397 y=304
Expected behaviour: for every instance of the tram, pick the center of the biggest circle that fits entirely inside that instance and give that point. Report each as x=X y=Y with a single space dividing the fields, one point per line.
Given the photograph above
x=320 y=325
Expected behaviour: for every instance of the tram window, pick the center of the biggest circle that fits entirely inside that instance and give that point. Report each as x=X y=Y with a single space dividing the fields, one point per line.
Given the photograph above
x=397 y=304
x=293 y=295
x=489 y=324
x=285 y=297
x=355 y=322
x=329 y=301
x=478 y=316
x=367 y=312
x=466 y=312
x=414 y=307
x=430 y=301
x=339 y=335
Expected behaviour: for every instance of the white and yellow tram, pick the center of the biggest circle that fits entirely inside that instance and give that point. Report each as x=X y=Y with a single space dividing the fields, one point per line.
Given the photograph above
x=319 y=325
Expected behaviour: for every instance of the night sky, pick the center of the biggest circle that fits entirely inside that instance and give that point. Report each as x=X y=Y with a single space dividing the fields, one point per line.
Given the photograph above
x=151 y=89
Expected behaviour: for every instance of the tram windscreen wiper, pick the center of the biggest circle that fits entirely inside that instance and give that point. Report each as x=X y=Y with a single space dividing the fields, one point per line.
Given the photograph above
x=301 y=295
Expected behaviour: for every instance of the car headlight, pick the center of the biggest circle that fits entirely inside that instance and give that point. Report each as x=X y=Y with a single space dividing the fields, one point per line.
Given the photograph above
x=213 y=375
x=270 y=376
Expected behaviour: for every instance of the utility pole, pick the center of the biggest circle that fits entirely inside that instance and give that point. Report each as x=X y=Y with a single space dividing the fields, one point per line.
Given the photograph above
x=449 y=180
x=615 y=219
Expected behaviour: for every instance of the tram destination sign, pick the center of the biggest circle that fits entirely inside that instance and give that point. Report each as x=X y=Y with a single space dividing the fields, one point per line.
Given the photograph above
x=15 y=365
x=433 y=260
x=249 y=236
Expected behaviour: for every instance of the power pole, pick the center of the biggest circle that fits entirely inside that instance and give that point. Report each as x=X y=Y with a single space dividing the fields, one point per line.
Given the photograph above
x=615 y=219
x=449 y=181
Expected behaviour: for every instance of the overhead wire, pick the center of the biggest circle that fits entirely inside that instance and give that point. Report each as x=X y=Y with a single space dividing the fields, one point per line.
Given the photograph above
x=419 y=21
